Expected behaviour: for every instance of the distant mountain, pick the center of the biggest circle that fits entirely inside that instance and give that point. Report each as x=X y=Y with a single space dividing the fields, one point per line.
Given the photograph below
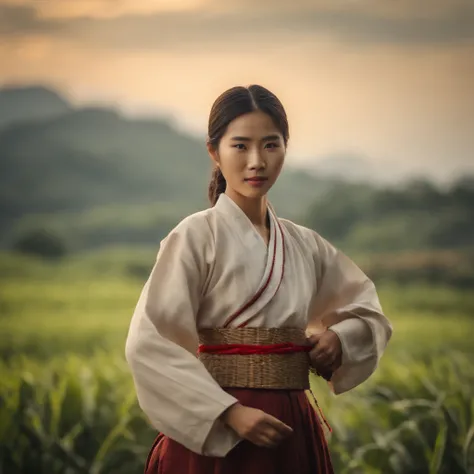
x=92 y=157
x=19 y=104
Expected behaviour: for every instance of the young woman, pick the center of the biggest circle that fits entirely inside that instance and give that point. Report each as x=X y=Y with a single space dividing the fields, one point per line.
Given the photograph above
x=218 y=342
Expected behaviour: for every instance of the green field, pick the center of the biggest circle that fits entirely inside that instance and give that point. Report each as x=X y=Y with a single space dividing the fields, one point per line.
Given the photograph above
x=67 y=403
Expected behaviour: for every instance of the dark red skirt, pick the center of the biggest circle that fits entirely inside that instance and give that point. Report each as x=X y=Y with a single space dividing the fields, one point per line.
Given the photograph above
x=305 y=452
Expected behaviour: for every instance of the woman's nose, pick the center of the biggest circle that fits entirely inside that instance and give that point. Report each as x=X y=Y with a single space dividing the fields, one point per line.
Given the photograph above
x=256 y=161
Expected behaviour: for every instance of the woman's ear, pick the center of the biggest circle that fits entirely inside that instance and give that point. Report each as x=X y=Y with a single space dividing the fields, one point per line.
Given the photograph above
x=213 y=154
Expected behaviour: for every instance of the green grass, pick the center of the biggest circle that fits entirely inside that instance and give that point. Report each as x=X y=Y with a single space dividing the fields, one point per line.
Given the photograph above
x=67 y=403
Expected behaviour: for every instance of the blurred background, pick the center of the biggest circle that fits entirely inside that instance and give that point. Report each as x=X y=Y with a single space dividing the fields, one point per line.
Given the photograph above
x=103 y=114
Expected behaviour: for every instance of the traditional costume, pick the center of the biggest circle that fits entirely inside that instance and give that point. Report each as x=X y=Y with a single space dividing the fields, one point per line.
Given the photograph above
x=222 y=318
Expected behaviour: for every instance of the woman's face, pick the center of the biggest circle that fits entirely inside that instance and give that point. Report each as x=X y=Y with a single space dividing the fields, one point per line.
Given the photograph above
x=250 y=154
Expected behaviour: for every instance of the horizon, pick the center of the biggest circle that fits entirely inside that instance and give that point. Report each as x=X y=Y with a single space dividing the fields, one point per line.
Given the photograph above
x=328 y=165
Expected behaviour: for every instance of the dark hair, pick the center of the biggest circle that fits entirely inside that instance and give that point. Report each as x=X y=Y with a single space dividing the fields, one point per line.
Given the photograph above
x=232 y=104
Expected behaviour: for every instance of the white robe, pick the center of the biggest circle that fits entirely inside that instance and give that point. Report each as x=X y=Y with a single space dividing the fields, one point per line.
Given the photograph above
x=212 y=266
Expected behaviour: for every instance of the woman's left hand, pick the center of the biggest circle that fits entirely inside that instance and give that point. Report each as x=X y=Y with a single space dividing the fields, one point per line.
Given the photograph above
x=326 y=355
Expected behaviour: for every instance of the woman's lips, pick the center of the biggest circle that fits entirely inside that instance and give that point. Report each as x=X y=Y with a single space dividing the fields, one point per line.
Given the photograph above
x=256 y=181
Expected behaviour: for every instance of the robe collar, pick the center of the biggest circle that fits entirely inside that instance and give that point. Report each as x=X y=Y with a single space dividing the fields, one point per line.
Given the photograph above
x=273 y=270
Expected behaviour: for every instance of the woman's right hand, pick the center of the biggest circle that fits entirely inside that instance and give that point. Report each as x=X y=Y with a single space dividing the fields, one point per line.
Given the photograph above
x=256 y=426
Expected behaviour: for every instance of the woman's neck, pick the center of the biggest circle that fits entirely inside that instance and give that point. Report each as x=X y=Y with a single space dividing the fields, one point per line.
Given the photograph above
x=255 y=209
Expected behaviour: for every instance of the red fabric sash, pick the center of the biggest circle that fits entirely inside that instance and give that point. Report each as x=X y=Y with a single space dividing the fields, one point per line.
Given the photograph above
x=247 y=349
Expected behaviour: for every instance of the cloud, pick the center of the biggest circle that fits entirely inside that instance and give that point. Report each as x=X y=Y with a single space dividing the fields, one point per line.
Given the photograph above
x=209 y=27
x=24 y=20
x=60 y=9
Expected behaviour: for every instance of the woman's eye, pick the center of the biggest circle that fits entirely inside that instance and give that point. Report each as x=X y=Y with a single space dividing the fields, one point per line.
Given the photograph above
x=240 y=146
x=271 y=145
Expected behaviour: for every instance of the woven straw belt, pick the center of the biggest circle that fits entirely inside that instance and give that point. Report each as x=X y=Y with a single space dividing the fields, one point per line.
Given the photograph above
x=269 y=371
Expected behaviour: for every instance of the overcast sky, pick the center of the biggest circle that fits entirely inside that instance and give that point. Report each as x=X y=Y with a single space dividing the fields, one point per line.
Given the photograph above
x=391 y=80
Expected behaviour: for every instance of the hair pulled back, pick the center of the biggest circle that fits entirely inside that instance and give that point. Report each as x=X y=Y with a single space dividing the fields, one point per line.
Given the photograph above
x=232 y=104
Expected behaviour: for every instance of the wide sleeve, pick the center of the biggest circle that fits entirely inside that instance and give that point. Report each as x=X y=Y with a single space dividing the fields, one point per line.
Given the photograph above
x=347 y=303
x=173 y=387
